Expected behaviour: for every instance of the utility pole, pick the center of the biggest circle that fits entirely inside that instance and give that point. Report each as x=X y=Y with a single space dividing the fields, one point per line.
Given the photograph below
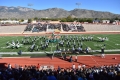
x=78 y=4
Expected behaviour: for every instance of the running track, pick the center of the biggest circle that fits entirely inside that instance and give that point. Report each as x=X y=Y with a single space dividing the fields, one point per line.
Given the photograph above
x=87 y=60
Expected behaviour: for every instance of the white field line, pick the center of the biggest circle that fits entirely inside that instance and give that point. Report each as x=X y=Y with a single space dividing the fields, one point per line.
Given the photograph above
x=26 y=48
x=5 y=45
x=96 y=54
x=6 y=39
x=113 y=42
x=111 y=46
x=12 y=50
x=2 y=48
x=85 y=44
x=2 y=41
x=95 y=61
x=116 y=40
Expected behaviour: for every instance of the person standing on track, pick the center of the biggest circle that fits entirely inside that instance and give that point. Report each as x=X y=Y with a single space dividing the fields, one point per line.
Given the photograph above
x=70 y=59
x=102 y=53
x=76 y=58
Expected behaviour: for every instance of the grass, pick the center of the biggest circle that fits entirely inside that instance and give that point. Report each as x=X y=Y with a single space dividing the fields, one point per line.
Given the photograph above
x=112 y=43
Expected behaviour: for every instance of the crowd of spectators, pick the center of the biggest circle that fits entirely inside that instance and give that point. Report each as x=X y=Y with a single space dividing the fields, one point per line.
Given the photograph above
x=36 y=27
x=39 y=27
x=73 y=27
x=43 y=27
x=28 y=27
x=54 y=26
x=65 y=27
x=106 y=72
x=80 y=28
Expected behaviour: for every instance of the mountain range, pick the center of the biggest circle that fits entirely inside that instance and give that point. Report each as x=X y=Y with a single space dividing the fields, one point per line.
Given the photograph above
x=25 y=13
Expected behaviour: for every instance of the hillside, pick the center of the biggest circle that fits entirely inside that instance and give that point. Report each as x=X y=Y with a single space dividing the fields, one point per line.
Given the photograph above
x=23 y=12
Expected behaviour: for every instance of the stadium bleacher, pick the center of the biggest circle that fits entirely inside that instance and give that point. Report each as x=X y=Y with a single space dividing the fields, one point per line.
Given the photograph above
x=28 y=27
x=49 y=27
x=63 y=27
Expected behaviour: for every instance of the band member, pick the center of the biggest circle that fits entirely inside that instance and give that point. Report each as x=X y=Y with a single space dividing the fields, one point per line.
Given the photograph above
x=102 y=53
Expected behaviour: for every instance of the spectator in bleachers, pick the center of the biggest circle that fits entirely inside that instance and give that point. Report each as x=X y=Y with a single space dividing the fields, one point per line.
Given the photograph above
x=106 y=72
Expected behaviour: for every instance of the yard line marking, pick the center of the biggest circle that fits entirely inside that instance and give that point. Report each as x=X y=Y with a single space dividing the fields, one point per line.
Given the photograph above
x=116 y=39
x=95 y=61
x=5 y=39
x=25 y=48
x=111 y=46
x=2 y=49
x=85 y=44
x=3 y=44
x=114 y=42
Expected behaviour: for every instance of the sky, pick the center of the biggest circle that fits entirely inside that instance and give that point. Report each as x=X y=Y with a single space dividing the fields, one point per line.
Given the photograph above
x=112 y=6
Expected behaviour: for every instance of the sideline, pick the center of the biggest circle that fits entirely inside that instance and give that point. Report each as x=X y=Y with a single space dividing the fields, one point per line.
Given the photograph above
x=62 y=33
x=72 y=55
x=16 y=57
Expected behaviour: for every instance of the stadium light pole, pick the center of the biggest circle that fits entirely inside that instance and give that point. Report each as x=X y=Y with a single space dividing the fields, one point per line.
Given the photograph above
x=30 y=5
x=78 y=4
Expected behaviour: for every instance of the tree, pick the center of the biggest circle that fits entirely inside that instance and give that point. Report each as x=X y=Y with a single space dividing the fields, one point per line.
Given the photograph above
x=4 y=19
x=36 y=18
x=63 y=20
x=21 y=20
x=69 y=19
x=29 y=20
x=116 y=18
x=80 y=20
x=54 y=19
x=89 y=20
x=119 y=19
x=96 y=18
x=111 y=20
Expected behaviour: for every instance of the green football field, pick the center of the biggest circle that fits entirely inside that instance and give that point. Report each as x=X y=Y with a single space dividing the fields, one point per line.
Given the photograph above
x=112 y=42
